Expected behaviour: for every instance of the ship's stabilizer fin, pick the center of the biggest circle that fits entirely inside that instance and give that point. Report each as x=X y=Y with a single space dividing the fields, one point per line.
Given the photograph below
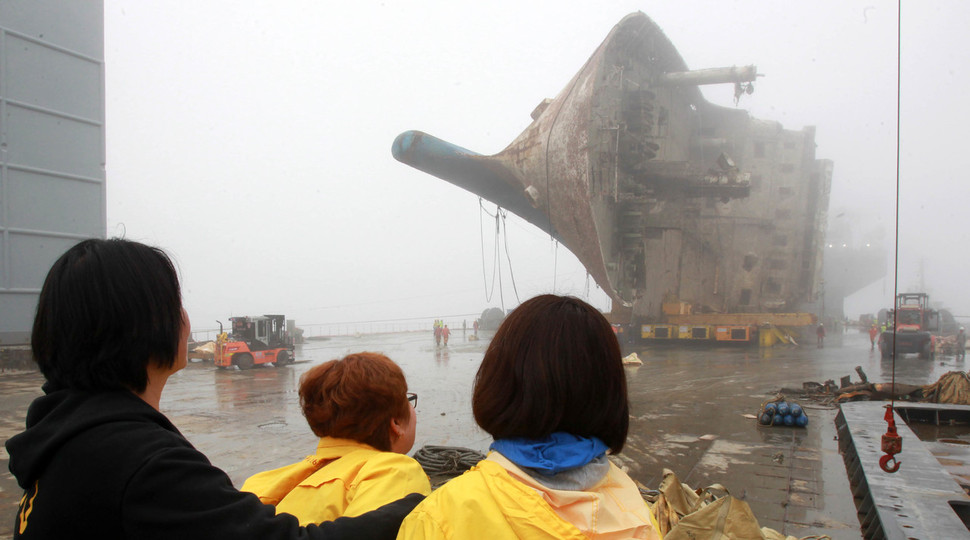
x=485 y=176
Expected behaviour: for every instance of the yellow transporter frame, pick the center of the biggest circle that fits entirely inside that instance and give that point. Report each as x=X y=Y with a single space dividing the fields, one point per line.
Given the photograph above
x=737 y=333
x=769 y=328
x=662 y=332
x=694 y=332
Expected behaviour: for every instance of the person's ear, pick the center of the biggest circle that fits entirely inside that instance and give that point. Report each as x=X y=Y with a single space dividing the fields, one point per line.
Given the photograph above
x=397 y=429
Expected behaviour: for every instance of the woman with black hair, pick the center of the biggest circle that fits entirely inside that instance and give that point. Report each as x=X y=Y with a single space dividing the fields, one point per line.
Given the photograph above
x=551 y=391
x=98 y=459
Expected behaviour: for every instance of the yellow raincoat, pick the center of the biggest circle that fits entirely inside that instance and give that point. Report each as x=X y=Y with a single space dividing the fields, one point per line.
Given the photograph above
x=344 y=478
x=496 y=499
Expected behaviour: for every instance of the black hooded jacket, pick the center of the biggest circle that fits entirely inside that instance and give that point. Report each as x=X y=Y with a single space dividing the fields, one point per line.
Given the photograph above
x=108 y=465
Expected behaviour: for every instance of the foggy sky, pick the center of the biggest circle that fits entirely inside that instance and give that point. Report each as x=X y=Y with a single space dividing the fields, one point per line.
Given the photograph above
x=251 y=140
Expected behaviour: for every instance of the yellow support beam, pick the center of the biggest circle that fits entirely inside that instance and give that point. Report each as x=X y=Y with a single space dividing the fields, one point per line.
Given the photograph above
x=745 y=319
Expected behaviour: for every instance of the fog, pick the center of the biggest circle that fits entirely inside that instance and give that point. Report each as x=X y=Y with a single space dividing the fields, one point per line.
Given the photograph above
x=251 y=140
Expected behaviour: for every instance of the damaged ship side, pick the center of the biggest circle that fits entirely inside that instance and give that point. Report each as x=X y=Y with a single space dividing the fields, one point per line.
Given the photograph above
x=660 y=194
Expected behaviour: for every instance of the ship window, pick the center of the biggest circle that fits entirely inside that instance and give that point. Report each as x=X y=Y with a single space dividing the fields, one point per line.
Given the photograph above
x=749 y=261
x=772 y=287
x=745 y=297
x=759 y=149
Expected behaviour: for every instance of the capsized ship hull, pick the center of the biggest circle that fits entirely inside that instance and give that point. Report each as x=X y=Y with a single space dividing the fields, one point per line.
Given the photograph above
x=631 y=169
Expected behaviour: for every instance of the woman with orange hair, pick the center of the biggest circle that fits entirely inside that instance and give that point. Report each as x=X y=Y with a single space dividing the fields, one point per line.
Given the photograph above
x=360 y=408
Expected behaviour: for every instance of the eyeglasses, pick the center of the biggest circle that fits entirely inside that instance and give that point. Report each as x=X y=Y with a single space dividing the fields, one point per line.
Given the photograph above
x=413 y=399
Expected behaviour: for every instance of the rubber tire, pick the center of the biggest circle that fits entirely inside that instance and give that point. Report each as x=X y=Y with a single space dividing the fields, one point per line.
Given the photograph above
x=282 y=358
x=243 y=360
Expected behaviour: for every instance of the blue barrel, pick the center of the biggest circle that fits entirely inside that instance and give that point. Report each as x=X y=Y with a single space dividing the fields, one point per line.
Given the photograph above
x=784 y=408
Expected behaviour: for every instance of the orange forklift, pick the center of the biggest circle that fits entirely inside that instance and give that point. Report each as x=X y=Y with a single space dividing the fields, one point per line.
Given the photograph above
x=253 y=341
x=910 y=327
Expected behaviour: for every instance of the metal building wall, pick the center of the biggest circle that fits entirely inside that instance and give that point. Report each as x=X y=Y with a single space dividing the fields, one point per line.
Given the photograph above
x=52 y=150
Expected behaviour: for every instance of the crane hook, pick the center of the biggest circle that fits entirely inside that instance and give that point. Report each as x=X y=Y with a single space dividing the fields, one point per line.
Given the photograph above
x=892 y=443
x=884 y=463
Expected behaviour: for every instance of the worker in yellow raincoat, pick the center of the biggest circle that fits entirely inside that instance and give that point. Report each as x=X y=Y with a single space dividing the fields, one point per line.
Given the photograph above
x=551 y=391
x=360 y=408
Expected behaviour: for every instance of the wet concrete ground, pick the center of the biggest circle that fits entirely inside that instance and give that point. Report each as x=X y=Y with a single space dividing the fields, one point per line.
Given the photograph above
x=687 y=408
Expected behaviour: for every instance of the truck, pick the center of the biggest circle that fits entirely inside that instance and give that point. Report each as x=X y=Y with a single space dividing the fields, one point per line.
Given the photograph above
x=253 y=341
x=909 y=327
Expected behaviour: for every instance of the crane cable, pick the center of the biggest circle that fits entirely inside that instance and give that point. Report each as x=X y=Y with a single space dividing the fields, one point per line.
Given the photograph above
x=892 y=443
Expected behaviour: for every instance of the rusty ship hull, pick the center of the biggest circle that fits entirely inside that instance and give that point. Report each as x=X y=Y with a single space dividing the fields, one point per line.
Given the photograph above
x=660 y=194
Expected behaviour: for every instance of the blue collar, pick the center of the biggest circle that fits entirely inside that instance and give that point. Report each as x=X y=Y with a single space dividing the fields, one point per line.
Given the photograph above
x=553 y=454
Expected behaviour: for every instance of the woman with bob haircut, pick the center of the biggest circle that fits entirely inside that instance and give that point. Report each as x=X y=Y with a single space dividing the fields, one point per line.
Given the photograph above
x=551 y=391
x=360 y=408
x=97 y=458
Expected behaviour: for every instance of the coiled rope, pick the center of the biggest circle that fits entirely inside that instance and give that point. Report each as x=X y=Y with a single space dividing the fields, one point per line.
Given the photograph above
x=446 y=460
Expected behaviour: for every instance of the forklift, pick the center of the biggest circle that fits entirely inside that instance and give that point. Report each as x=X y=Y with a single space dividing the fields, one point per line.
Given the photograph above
x=910 y=327
x=253 y=341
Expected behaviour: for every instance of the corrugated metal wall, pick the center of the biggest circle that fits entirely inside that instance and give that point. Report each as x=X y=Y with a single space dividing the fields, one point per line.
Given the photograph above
x=52 y=153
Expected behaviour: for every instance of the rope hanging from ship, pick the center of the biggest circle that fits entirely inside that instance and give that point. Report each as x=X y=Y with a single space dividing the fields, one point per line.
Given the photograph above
x=508 y=257
x=501 y=230
x=488 y=293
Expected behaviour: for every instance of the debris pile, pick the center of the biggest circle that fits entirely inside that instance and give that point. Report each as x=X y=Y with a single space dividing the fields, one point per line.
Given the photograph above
x=632 y=360
x=946 y=345
x=684 y=513
x=204 y=351
x=952 y=387
x=830 y=393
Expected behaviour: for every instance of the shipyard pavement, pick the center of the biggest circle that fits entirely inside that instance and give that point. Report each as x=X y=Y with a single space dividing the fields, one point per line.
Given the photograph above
x=688 y=414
